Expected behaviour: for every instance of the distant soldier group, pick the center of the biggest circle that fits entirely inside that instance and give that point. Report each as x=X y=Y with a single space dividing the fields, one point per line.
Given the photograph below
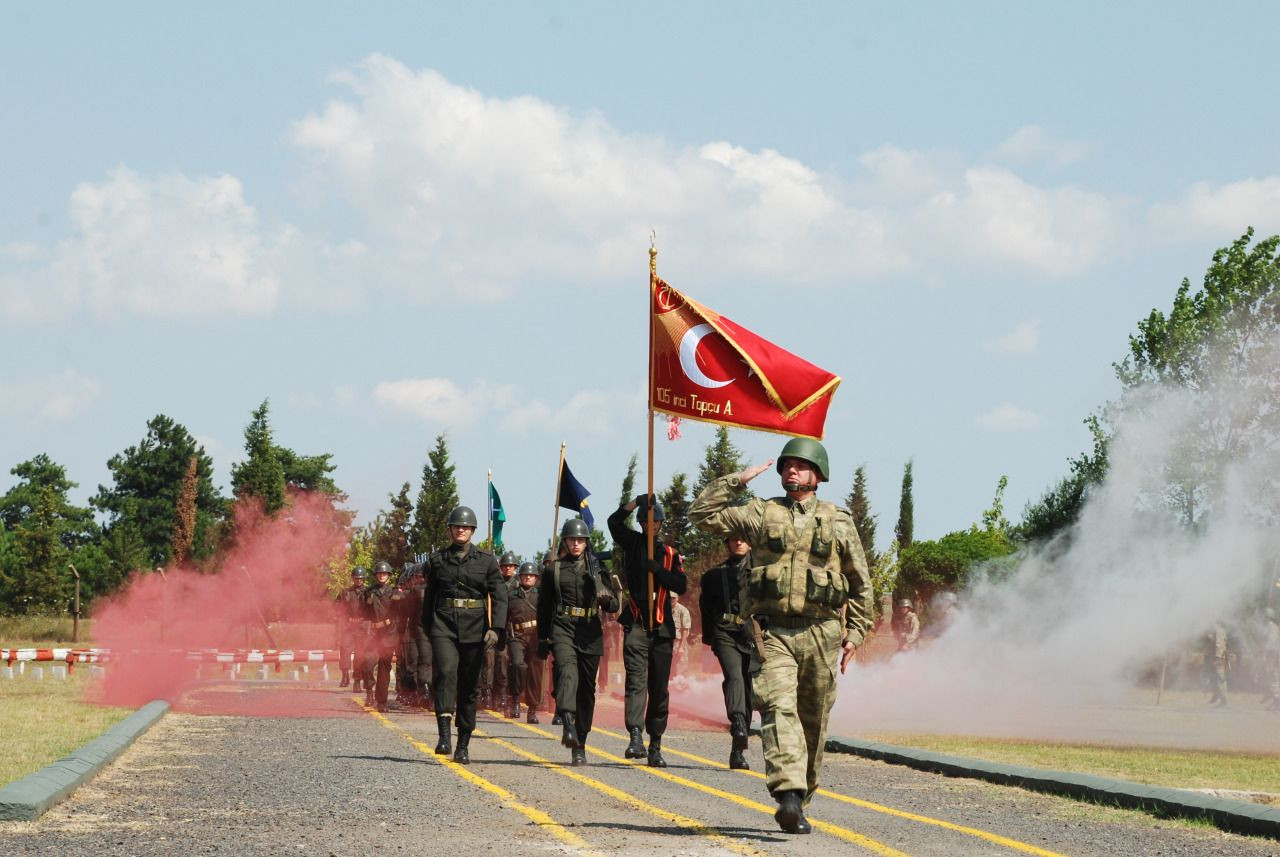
x=785 y=610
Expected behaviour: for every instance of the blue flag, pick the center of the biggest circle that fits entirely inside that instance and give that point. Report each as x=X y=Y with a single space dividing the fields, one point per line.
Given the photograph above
x=574 y=496
x=496 y=516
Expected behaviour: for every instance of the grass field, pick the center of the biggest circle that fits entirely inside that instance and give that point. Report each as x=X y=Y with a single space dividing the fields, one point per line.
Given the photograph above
x=1187 y=769
x=45 y=720
x=42 y=631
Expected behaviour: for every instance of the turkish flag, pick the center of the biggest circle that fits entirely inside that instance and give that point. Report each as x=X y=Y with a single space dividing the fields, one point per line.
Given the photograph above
x=707 y=367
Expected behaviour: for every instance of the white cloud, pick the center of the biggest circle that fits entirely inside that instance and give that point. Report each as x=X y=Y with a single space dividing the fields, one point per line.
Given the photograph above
x=162 y=246
x=1032 y=144
x=1221 y=210
x=1009 y=417
x=52 y=399
x=1023 y=339
x=442 y=402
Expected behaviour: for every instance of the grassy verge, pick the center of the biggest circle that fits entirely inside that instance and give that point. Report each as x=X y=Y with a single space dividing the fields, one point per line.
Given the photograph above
x=1185 y=769
x=42 y=631
x=45 y=720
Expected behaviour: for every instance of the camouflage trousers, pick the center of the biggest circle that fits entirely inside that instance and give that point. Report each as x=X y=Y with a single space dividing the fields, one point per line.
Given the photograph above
x=794 y=692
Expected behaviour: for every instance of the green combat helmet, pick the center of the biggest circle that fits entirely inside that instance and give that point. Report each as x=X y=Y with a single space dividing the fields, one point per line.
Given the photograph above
x=382 y=567
x=463 y=516
x=358 y=573
x=806 y=449
x=575 y=528
x=509 y=558
x=529 y=568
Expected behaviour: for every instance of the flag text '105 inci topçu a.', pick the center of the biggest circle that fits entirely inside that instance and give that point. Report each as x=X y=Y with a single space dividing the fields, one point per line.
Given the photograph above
x=707 y=367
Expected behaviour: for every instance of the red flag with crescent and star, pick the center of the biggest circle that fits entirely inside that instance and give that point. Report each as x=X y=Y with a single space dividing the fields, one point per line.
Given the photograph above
x=709 y=368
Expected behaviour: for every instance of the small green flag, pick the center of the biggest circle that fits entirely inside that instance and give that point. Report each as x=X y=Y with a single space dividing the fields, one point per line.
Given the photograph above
x=496 y=516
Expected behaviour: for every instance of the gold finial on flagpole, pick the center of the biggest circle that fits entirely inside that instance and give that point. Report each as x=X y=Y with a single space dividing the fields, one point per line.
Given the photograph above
x=653 y=251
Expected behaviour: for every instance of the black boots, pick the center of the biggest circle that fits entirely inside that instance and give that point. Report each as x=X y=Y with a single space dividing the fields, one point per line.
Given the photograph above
x=355 y=688
x=532 y=716
x=460 y=755
x=635 y=750
x=555 y=719
x=738 y=729
x=790 y=814
x=346 y=678
x=655 y=752
x=444 y=746
x=579 y=756
x=570 y=736
x=513 y=710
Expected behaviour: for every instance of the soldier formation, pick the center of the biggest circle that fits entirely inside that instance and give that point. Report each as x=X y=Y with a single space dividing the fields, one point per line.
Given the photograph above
x=785 y=610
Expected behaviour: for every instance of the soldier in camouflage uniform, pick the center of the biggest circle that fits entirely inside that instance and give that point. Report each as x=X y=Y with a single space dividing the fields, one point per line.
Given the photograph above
x=808 y=567
x=351 y=631
x=1216 y=661
x=905 y=625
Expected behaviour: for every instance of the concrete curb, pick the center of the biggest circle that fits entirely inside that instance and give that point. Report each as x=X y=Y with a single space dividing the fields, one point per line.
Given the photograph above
x=30 y=797
x=1234 y=815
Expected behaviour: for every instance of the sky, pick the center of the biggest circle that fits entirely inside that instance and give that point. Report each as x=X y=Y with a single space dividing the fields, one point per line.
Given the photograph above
x=411 y=219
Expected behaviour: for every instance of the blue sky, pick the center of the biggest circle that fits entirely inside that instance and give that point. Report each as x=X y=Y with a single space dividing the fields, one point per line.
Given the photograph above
x=407 y=220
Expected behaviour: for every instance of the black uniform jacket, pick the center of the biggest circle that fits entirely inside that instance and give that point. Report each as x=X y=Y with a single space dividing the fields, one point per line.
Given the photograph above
x=574 y=584
x=522 y=606
x=468 y=575
x=719 y=597
x=635 y=568
x=381 y=608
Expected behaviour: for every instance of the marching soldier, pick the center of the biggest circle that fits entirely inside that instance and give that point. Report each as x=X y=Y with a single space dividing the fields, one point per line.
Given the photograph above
x=417 y=646
x=683 y=622
x=525 y=679
x=569 y=608
x=454 y=611
x=724 y=630
x=649 y=627
x=906 y=625
x=808 y=571
x=351 y=630
x=381 y=611
x=493 y=679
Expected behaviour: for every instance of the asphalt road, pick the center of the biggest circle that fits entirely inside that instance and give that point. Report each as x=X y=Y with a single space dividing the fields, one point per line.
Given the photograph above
x=341 y=780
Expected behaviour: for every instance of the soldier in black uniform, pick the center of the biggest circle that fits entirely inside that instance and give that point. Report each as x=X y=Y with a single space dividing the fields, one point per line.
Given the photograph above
x=415 y=643
x=381 y=610
x=569 y=606
x=724 y=631
x=350 y=618
x=493 y=678
x=649 y=630
x=454 y=611
x=525 y=678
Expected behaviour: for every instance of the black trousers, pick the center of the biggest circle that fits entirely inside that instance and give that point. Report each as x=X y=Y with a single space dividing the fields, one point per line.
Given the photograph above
x=647 y=659
x=735 y=664
x=575 y=673
x=525 y=676
x=417 y=661
x=457 y=675
x=379 y=647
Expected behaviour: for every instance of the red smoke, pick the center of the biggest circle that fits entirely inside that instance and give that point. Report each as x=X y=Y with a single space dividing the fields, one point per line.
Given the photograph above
x=267 y=592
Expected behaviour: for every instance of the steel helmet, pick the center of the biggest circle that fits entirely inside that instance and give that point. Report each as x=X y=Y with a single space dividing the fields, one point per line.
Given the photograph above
x=382 y=567
x=575 y=528
x=807 y=449
x=359 y=572
x=463 y=516
x=904 y=602
x=529 y=568
x=509 y=558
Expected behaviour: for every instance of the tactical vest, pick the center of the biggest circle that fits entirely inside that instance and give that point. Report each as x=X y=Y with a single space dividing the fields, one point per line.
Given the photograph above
x=796 y=573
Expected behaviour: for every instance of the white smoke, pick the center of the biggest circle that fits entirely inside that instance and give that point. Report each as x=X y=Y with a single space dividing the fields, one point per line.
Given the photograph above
x=1056 y=650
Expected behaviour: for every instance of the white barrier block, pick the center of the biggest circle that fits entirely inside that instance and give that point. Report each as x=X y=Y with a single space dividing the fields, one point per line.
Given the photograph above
x=37 y=673
x=6 y=672
x=324 y=672
x=59 y=672
x=262 y=672
x=97 y=672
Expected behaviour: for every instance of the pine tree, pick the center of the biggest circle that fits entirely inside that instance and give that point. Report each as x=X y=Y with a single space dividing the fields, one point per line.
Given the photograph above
x=720 y=459
x=262 y=475
x=860 y=508
x=392 y=540
x=903 y=531
x=436 y=499
x=40 y=582
x=675 y=503
x=184 y=528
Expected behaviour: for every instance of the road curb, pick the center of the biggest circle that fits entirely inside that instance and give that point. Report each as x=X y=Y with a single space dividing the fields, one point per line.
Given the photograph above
x=1234 y=815
x=30 y=797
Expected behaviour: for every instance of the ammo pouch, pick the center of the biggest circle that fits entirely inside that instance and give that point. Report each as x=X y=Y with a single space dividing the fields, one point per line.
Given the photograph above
x=769 y=582
x=825 y=588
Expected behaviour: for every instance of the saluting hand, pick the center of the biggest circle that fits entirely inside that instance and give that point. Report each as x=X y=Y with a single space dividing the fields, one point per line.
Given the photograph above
x=752 y=472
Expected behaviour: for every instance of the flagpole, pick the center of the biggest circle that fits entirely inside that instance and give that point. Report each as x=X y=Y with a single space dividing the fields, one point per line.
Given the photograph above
x=555 y=525
x=488 y=500
x=648 y=525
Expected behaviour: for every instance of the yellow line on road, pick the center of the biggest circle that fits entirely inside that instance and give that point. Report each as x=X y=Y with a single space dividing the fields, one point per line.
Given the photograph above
x=864 y=804
x=537 y=816
x=826 y=827
x=714 y=834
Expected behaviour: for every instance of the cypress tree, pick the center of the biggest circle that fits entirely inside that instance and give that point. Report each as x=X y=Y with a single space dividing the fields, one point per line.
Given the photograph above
x=903 y=530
